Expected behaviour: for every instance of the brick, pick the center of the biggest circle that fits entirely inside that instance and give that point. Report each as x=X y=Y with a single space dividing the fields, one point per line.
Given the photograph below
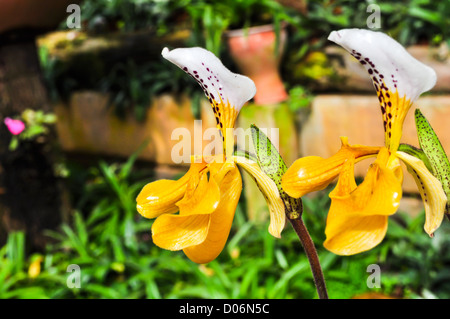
x=413 y=206
x=89 y=125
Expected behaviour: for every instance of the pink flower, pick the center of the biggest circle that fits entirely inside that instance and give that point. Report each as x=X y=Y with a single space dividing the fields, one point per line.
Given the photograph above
x=14 y=126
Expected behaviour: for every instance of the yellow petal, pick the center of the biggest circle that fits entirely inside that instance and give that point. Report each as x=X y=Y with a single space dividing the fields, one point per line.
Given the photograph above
x=271 y=194
x=175 y=232
x=160 y=197
x=35 y=267
x=346 y=182
x=220 y=220
x=219 y=170
x=349 y=235
x=357 y=220
x=309 y=174
x=431 y=191
x=314 y=173
x=378 y=194
x=200 y=198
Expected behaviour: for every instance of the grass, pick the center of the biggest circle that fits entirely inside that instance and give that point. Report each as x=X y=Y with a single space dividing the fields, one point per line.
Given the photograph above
x=112 y=245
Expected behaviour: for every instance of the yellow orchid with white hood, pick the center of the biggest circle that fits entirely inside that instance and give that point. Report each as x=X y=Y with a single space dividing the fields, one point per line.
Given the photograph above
x=358 y=217
x=207 y=195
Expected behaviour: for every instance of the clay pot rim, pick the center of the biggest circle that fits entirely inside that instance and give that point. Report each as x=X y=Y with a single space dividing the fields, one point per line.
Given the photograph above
x=253 y=30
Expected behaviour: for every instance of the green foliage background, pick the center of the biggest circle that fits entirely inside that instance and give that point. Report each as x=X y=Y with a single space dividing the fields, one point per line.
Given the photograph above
x=112 y=245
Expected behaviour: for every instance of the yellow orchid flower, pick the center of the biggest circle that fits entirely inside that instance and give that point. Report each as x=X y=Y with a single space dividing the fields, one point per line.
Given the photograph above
x=35 y=267
x=207 y=195
x=358 y=217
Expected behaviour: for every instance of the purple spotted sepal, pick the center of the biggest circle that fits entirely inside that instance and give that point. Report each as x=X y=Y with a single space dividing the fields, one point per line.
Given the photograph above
x=432 y=147
x=226 y=91
x=388 y=63
x=398 y=78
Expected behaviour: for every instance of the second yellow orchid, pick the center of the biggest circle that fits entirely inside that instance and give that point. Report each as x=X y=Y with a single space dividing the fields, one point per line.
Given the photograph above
x=358 y=217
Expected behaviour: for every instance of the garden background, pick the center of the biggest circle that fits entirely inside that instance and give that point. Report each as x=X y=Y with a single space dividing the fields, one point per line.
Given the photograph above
x=100 y=106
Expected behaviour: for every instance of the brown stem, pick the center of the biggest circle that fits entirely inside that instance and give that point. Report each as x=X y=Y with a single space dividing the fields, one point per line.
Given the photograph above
x=310 y=249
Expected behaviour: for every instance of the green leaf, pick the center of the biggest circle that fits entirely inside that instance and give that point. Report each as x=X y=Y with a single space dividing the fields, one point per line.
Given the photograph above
x=14 y=143
x=272 y=164
x=268 y=157
x=432 y=147
x=16 y=250
x=128 y=166
x=427 y=15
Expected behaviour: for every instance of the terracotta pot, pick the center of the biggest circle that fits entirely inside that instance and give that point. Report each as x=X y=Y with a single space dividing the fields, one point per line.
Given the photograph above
x=254 y=51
